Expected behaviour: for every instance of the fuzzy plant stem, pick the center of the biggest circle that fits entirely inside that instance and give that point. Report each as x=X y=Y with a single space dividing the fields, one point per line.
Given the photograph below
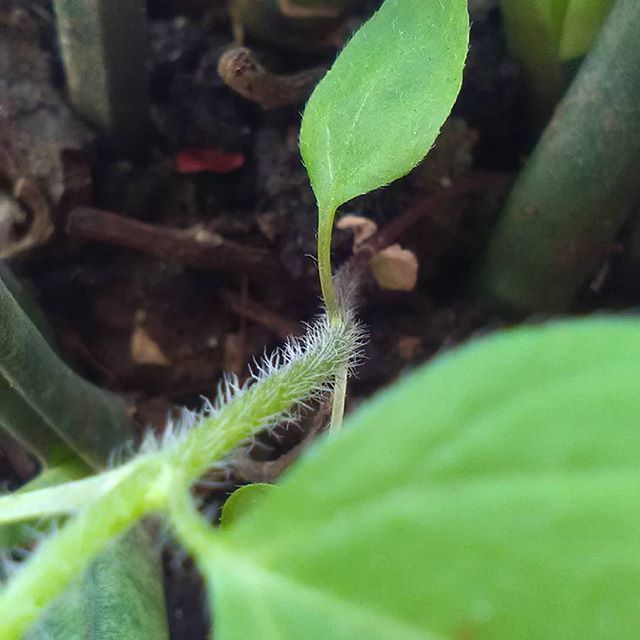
x=339 y=398
x=562 y=215
x=304 y=368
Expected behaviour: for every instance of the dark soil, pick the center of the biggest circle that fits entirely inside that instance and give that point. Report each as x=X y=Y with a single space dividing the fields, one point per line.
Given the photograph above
x=144 y=311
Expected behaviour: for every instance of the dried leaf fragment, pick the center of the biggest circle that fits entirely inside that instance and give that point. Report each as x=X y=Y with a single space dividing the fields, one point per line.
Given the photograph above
x=241 y=71
x=145 y=350
x=27 y=209
x=395 y=268
x=361 y=227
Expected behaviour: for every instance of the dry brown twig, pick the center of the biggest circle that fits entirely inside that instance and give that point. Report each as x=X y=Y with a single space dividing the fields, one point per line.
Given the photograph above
x=241 y=71
x=196 y=247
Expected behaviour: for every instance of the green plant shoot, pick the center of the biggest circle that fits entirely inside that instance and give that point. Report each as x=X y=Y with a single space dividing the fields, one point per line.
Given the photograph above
x=376 y=114
x=379 y=109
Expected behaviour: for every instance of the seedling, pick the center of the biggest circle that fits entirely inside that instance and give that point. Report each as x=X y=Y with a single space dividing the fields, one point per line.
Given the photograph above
x=549 y=38
x=492 y=495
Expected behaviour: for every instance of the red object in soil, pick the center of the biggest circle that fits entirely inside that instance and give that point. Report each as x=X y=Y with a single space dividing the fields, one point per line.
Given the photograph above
x=212 y=160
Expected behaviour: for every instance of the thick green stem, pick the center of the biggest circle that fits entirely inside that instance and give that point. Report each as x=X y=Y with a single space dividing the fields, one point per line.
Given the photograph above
x=18 y=507
x=57 y=492
x=64 y=556
x=191 y=528
x=578 y=186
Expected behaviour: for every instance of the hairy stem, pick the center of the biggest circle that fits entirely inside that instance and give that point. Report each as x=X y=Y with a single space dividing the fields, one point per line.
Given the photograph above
x=63 y=498
x=307 y=366
x=332 y=304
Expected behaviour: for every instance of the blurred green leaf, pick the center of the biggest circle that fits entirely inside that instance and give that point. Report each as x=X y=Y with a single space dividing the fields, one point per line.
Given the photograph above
x=119 y=598
x=547 y=37
x=582 y=23
x=60 y=490
x=14 y=534
x=243 y=500
x=44 y=404
x=494 y=494
x=21 y=294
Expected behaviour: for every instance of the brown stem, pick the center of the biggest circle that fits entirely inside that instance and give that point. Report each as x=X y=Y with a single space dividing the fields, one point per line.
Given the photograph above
x=195 y=247
x=241 y=71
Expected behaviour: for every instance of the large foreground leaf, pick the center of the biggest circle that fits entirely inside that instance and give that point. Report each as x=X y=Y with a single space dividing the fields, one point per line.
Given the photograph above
x=493 y=495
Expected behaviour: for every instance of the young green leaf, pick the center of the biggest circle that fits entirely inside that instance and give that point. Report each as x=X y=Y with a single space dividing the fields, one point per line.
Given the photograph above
x=379 y=109
x=495 y=495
